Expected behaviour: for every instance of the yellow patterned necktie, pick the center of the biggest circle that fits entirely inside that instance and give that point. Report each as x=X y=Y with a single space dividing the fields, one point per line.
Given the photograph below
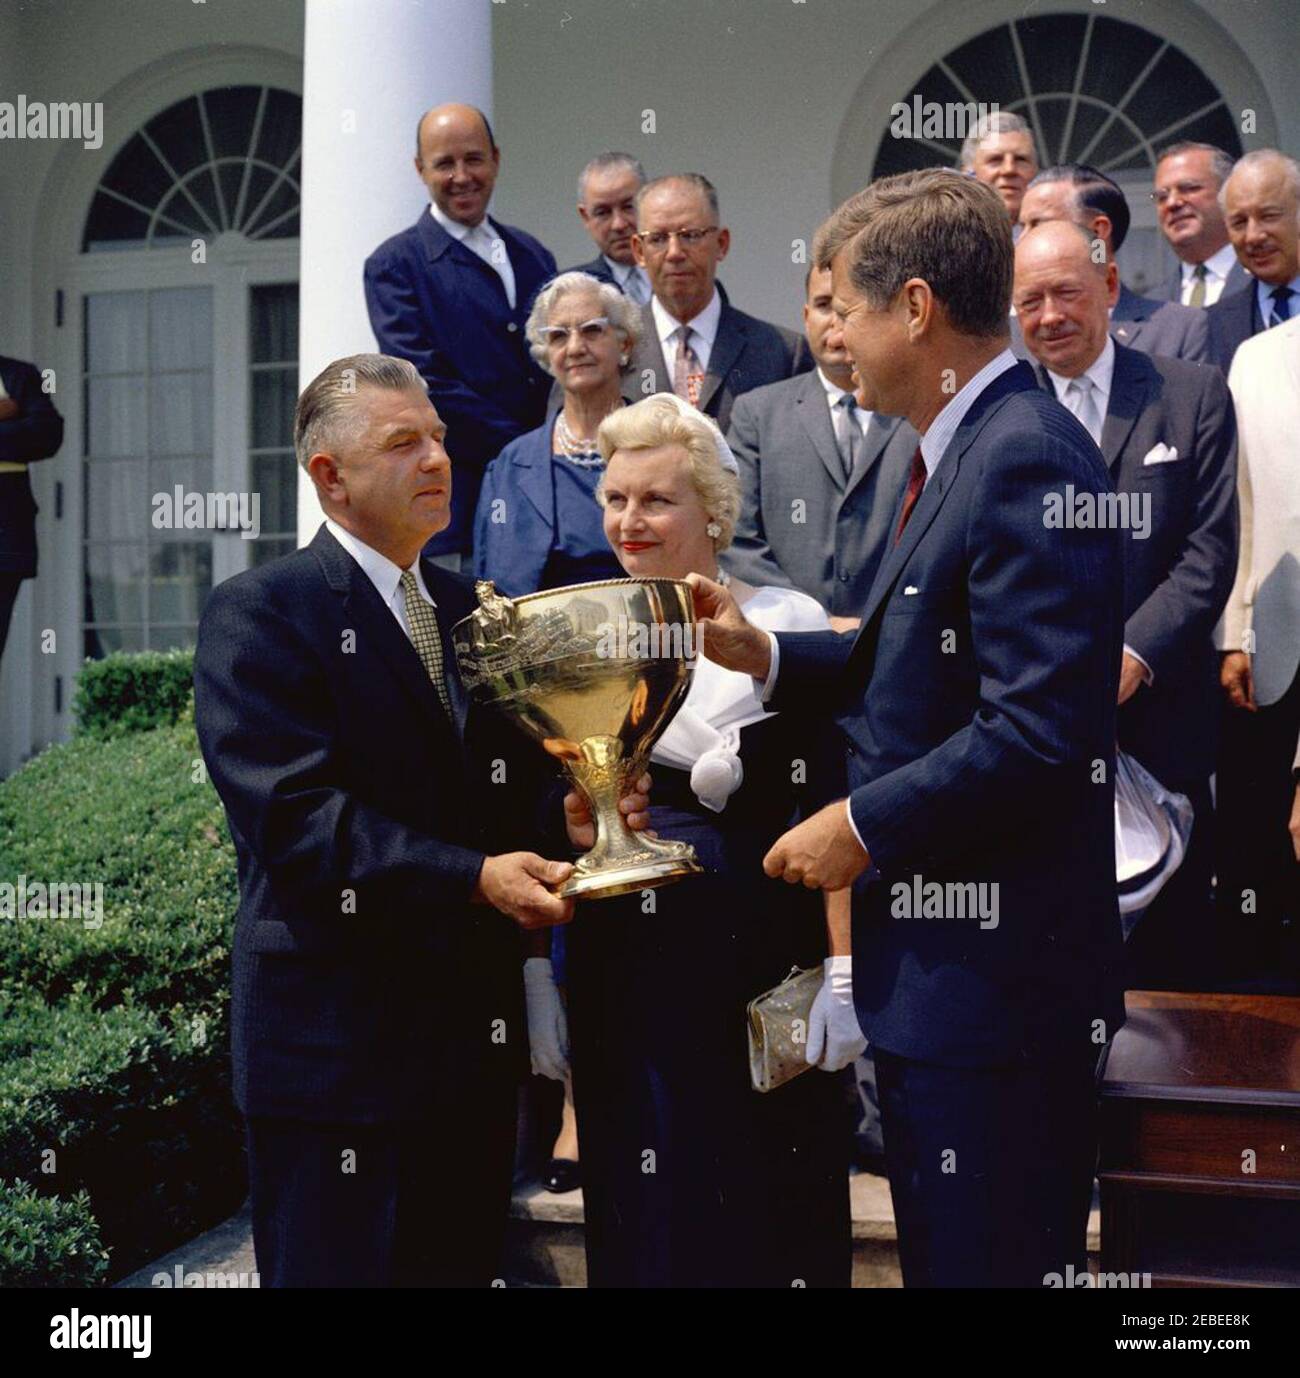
x=425 y=637
x=1197 y=297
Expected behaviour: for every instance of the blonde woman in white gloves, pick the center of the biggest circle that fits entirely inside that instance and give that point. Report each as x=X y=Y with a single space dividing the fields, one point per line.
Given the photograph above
x=690 y=1177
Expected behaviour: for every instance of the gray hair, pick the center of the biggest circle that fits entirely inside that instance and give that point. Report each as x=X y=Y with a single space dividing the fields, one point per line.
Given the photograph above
x=998 y=122
x=690 y=179
x=1257 y=158
x=327 y=416
x=604 y=162
x=623 y=313
x=1221 y=163
x=662 y=419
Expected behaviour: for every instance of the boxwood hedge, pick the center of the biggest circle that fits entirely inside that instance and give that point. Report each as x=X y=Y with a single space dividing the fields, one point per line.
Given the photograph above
x=118 y=1140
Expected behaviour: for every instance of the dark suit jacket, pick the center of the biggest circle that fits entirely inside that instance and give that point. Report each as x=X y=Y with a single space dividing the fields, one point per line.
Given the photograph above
x=1176 y=578
x=597 y=268
x=436 y=303
x=1171 y=289
x=365 y=983
x=801 y=526
x=1233 y=319
x=977 y=707
x=1160 y=327
x=746 y=354
x=34 y=434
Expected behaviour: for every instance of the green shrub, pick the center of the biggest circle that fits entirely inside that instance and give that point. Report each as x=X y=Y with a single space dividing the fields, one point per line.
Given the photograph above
x=114 y=1042
x=133 y=691
x=48 y=1241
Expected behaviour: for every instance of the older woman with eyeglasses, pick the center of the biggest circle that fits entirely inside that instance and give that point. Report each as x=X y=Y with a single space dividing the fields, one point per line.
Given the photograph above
x=538 y=524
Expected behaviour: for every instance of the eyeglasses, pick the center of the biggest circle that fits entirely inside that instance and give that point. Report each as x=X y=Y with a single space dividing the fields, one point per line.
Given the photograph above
x=589 y=332
x=1186 y=190
x=657 y=240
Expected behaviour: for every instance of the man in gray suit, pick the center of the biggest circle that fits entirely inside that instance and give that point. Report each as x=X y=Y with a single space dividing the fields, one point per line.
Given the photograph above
x=1167 y=431
x=694 y=342
x=1080 y=193
x=820 y=476
x=1188 y=178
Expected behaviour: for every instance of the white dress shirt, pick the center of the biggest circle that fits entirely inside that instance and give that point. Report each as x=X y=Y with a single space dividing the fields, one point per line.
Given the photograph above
x=834 y=395
x=631 y=278
x=1265 y=292
x=485 y=240
x=704 y=330
x=382 y=573
x=1101 y=374
x=1217 y=268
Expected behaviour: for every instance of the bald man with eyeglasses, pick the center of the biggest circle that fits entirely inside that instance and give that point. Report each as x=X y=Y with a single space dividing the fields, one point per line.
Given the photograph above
x=694 y=342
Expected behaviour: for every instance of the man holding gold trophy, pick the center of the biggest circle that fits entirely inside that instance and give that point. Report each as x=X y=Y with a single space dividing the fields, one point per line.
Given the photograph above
x=384 y=828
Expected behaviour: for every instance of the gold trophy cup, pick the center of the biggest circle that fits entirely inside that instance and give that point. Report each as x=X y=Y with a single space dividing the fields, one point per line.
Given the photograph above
x=593 y=673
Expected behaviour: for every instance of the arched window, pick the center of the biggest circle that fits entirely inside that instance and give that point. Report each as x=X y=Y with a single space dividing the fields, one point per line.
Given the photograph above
x=226 y=159
x=188 y=305
x=1094 y=90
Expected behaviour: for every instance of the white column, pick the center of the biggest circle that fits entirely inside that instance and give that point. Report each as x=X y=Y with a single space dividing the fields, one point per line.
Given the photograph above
x=370 y=69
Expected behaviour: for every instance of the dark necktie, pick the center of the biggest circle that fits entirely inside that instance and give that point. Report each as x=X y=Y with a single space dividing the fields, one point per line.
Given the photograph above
x=1281 y=306
x=915 y=482
x=1198 y=286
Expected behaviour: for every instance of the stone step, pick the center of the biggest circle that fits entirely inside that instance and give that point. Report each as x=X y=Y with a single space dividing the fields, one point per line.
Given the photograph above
x=544 y=1246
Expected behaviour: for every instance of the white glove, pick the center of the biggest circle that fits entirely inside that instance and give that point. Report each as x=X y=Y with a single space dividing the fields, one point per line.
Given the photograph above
x=834 y=1035
x=548 y=1029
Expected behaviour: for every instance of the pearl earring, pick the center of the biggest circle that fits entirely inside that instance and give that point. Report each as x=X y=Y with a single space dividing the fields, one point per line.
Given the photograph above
x=713 y=530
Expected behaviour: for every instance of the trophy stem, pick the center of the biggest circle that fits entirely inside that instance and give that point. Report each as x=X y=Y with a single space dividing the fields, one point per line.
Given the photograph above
x=619 y=860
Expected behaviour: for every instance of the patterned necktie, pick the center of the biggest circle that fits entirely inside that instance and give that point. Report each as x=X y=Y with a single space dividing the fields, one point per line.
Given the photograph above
x=1281 y=306
x=915 y=482
x=425 y=637
x=1080 y=400
x=687 y=374
x=1198 y=286
x=848 y=434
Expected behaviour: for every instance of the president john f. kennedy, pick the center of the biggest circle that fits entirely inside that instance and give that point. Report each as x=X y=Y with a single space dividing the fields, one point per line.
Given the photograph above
x=384 y=873
x=976 y=708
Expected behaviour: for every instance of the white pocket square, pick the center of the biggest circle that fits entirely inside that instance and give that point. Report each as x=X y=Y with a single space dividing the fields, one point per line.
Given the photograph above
x=1160 y=454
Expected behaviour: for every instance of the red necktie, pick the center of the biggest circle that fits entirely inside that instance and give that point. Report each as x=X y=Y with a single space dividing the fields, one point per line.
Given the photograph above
x=915 y=482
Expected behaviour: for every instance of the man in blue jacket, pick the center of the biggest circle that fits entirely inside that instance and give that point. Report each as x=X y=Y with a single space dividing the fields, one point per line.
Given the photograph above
x=452 y=294
x=976 y=709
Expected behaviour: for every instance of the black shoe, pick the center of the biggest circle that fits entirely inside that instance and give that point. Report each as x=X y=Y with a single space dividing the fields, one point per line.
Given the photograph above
x=563 y=1174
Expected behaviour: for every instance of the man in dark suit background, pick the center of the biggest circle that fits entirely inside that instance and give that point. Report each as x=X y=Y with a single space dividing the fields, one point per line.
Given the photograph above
x=1261 y=201
x=377 y=1013
x=680 y=242
x=1080 y=193
x=1167 y=432
x=976 y=707
x=452 y=295
x=30 y=430
x=1187 y=183
x=820 y=475
x=607 y=189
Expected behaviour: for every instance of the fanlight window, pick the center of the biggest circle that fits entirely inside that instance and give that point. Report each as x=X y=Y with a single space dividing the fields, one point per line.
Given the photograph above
x=227 y=159
x=1094 y=90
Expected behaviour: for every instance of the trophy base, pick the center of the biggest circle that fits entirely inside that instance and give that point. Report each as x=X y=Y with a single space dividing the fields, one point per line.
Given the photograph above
x=622 y=880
